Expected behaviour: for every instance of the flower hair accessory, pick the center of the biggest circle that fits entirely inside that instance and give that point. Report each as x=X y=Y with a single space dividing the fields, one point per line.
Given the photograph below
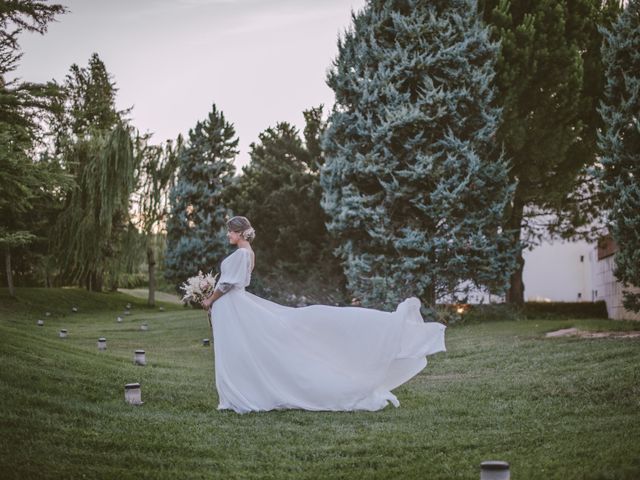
x=249 y=232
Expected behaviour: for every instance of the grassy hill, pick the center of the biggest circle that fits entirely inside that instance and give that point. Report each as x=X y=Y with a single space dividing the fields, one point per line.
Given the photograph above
x=554 y=408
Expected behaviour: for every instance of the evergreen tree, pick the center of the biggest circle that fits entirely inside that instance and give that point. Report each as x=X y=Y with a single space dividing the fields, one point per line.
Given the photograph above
x=619 y=144
x=549 y=79
x=196 y=228
x=87 y=107
x=410 y=181
x=280 y=194
x=326 y=262
x=314 y=127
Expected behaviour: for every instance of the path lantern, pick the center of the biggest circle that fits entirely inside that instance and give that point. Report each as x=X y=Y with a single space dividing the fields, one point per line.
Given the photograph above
x=133 y=394
x=139 y=358
x=494 y=470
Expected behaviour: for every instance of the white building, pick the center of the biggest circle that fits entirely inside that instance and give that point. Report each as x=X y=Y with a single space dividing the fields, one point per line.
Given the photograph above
x=558 y=272
x=606 y=285
x=575 y=272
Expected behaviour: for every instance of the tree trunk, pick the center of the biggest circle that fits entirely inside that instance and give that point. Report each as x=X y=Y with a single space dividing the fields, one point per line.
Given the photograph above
x=151 y=260
x=97 y=282
x=430 y=296
x=7 y=261
x=515 y=294
x=94 y=281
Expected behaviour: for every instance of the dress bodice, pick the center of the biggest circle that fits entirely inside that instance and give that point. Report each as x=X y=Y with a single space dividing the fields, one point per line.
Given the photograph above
x=235 y=271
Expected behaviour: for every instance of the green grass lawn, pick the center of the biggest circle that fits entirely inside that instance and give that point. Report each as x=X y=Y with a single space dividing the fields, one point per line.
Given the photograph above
x=566 y=408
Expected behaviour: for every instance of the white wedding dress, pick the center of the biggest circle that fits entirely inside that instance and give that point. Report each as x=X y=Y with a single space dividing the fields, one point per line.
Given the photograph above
x=320 y=357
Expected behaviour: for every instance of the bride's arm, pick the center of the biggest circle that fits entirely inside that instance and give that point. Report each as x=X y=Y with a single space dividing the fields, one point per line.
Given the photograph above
x=209 y=300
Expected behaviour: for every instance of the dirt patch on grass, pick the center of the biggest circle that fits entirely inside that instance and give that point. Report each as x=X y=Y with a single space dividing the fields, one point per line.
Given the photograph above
x=574 y=332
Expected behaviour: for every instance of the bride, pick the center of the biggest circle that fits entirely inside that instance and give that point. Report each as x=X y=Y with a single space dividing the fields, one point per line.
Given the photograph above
x=320 y=357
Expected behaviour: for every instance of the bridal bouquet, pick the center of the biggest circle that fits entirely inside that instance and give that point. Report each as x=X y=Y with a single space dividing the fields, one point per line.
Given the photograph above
x=197 y=288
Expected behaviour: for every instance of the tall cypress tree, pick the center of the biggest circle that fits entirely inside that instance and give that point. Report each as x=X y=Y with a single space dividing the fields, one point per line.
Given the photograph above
x=196 y=229
x=410 y=179
x=619 y=144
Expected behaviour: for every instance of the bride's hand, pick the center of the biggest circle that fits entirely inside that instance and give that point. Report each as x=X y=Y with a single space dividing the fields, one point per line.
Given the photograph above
x=207 y=303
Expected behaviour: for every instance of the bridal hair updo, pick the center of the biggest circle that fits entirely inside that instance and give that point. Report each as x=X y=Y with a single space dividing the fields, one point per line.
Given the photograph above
x=242 y=226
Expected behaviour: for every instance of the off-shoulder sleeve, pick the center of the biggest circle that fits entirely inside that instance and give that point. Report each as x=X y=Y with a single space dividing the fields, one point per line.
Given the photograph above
x=235 y=270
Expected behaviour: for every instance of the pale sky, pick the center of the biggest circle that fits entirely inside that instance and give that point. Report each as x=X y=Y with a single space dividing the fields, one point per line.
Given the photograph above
x=260 y=61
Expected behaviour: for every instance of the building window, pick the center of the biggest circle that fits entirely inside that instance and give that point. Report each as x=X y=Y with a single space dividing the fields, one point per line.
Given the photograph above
x=581 y=258
x=580 y=295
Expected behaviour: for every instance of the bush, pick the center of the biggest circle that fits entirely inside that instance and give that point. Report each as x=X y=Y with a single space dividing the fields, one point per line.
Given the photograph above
x=534 y=310
x=565 y=310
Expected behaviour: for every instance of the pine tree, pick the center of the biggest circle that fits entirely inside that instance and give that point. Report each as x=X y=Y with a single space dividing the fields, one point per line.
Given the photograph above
x=196 y=228
x=410 y=179
x=619 y=143
x=87 y=107
x=314 y=126
x=280 y=194
x=549 y=80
